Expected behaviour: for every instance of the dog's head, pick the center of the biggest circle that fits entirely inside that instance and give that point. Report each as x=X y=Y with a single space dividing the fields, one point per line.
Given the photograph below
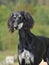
x=20 y=20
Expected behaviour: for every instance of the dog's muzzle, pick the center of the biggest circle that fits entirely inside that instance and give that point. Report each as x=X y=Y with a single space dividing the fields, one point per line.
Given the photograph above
x=18 y=26
x=26 y=57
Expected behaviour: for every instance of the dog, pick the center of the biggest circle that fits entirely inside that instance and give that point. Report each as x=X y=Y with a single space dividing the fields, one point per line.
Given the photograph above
x=31 y=48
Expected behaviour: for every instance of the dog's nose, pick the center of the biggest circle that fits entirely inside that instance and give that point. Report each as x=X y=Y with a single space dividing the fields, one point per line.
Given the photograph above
x=16 y=27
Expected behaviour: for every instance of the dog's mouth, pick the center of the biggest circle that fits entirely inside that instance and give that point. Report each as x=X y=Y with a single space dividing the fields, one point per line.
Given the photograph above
x=18 y=26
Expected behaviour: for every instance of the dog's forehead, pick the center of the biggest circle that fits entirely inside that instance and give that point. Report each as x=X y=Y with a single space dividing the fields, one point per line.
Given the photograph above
x=17 y=14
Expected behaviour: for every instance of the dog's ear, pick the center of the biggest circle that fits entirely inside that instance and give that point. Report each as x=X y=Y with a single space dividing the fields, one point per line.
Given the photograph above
x=10 y=24
x=29 y=20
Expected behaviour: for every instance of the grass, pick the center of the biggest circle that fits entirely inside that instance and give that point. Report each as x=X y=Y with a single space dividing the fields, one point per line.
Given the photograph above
x=3 y=54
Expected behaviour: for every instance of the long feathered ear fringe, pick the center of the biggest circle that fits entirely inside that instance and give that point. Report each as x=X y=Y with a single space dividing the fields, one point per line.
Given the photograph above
x=10 y=24
x=29 y=20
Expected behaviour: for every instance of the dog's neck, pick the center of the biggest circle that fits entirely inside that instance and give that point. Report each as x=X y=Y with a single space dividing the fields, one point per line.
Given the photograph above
x=23 y=36
x=23 y=33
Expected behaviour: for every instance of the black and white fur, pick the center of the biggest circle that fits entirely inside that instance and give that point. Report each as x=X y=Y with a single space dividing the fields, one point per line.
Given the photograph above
x=31 y=48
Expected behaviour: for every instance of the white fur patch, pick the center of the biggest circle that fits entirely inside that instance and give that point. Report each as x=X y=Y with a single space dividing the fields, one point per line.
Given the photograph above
x=19 y=15
x=14 y=16
x=20 y=25
x=27 y=56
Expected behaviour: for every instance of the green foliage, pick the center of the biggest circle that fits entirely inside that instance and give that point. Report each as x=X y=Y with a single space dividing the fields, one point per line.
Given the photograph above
x=4 y=11
x=26 y=1
x=40 y=29
x=41 y=15
x=1 y=46
x=25 y=7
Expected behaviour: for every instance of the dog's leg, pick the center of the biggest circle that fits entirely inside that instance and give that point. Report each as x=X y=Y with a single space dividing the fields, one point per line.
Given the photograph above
x=46 y=57
x=47 y=61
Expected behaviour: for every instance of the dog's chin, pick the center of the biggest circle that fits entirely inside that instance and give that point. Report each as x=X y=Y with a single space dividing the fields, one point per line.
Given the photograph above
x=11 y=30
x=15 y=28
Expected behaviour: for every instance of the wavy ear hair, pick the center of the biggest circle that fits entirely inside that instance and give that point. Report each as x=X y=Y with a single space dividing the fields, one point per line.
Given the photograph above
x=28 y=20
x=10 y=23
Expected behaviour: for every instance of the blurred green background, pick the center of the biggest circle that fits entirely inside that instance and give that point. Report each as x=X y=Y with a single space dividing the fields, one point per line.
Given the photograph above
x=39 y=9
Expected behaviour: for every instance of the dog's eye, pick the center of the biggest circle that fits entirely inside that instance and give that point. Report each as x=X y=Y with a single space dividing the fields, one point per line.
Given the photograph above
x=19 y=17
x=14 y=16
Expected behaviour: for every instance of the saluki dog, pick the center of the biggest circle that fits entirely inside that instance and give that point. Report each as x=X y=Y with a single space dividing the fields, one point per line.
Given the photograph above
x=31 y=48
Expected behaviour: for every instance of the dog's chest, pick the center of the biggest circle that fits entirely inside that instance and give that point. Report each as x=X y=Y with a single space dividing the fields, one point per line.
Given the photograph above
x=27 y=56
